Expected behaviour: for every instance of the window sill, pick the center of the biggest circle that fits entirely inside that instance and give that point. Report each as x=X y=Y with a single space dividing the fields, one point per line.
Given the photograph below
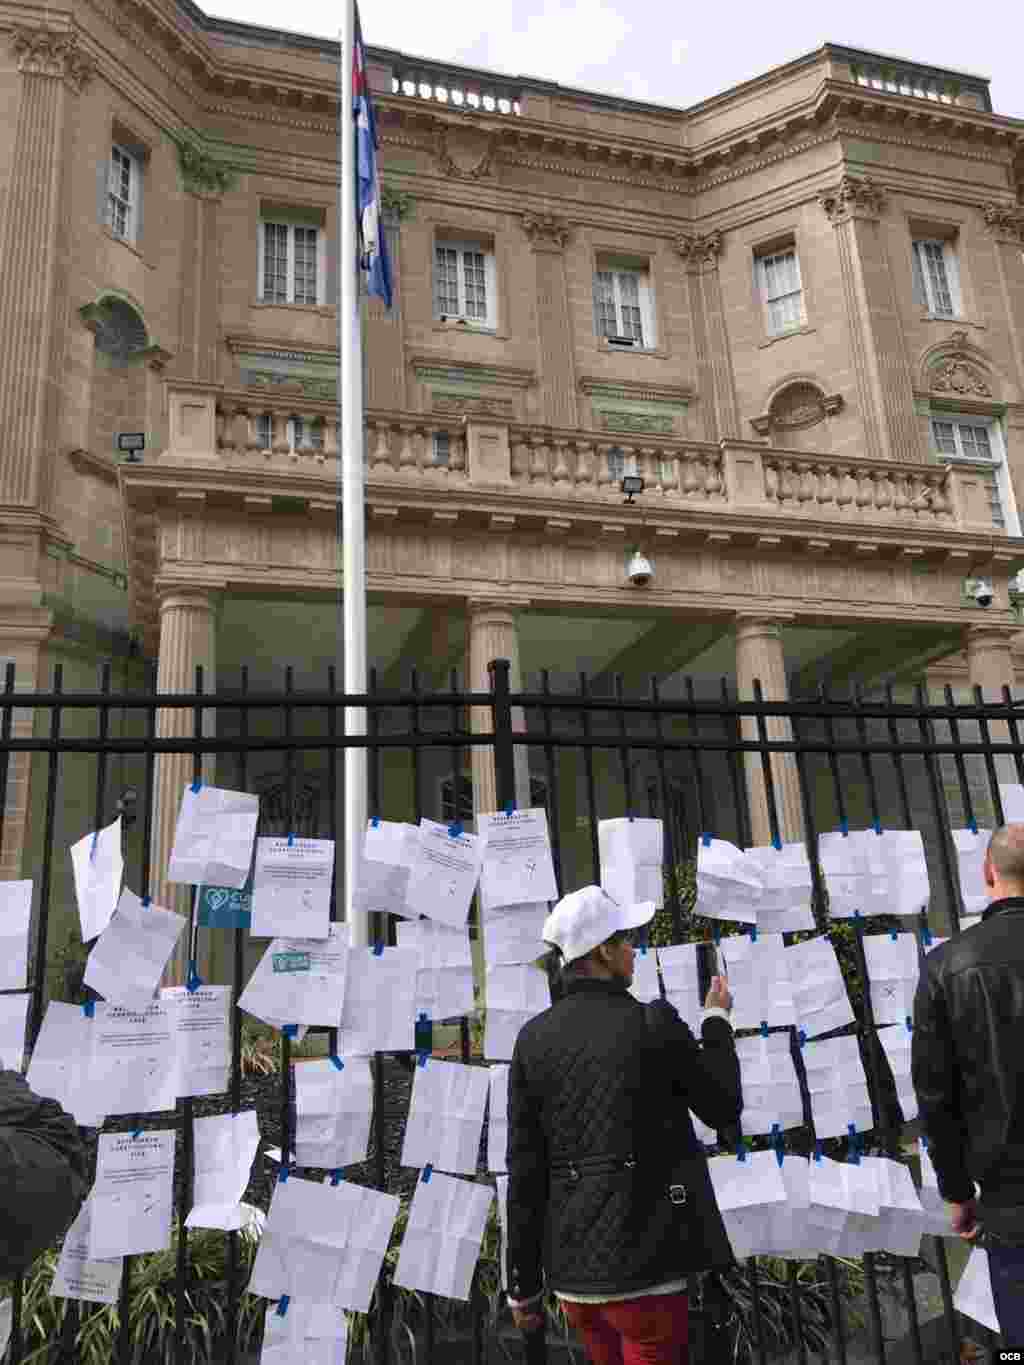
x=468 y=329
x=658 y=352
x=959 y=321
x=785 y=336
x=129 y=246
x=320 y=309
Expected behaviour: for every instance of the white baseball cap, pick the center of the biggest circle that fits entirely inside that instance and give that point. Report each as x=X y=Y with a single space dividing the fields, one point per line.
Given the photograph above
x=585 y=918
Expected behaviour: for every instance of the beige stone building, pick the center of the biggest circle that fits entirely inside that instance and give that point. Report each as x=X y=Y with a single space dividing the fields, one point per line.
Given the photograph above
x=795 y=310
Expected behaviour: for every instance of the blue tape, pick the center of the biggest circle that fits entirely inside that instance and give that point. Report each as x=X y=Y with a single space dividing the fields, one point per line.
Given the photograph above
x=282 y=1175
x=455 y=829
x=146 y=902
x=716 y=933
x=337 y=1176
x=801 y=1036
x=926 y=936
x=375 y=821
x=290 y=1030
x=291 y=840
x=856 y=915
x=92 y=846
x=377 y=950
x=741 y=1151
x=706 y=840
x=924 y=1142
x=89 y=1009
x=510 y=807
x=136 y=1132
x=193 y=981
x=282 y=1305
x=777 y=843
x=337 y=1062
x=421 y=1058
x=753 y=933
x=777 y=1143
x=972 y=825
x=197 y=786
x=817 y=1149
x=877 y=825
x=853 y=1156
x=764 y=1028
x=643 y=950
x=894 y=934
x=909 y=1023
x=428 y=1171
x=844 y=828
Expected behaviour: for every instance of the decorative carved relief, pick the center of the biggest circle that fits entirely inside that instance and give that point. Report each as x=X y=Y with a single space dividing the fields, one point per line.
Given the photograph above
x=476 y=404
x=700 y=249
x=1005 y=222
x=637 y=421
x=41 y=52
x=546 y=231
x=465 y=153
x=852 y=198
x=799 y=405
x=956 y=375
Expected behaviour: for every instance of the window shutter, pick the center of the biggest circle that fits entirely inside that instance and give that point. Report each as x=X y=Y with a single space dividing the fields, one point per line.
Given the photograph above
x=102 y=187
x=260 y=250
x=332 y=284
x=953 y=277
x=920 y=296
x=491 y=282
x=138 y=202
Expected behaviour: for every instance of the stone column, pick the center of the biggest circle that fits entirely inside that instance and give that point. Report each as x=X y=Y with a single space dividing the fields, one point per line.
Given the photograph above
x=493 y=635
x=990 y=667
x=759 y=655
x=187 y=639
x=885 y=387
x=548 y=237
x=716 y=384
x=34 y=294
x=23 y=634
x=200 y=295
x=1006 y=226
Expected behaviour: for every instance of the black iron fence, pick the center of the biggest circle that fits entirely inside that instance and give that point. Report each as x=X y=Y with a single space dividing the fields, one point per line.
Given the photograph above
x=901 y=762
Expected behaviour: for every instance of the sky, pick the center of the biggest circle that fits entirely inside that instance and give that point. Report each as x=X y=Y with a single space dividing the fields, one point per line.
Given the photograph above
x=670 y=54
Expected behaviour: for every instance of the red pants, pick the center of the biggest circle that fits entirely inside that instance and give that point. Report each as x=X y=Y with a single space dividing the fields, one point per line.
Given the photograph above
x=650 y=1330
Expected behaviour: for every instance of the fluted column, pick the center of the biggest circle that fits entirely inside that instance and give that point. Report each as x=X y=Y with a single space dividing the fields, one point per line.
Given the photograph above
x=23 y=635
x=548 y=237
x=759 y=655
x=990 y=667
x=885 y=387
x=200 y=301
x=34 y=297
x=187 y=640
x=716 y=384
x=1006 y=226
x=493 y=635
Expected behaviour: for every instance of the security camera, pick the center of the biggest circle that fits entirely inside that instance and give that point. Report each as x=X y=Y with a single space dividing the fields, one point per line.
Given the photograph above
x=982 y=592
x=640 y=571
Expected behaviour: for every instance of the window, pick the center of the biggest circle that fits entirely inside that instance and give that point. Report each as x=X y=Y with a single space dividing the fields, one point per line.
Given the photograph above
x=781 y=289
x=442 y=448
x=264 y=431
x=622 y=307
x=122 y=194
x=465 y=283
x=936 y=277
x=979 y=441
x=300 y=434
x=291 y=268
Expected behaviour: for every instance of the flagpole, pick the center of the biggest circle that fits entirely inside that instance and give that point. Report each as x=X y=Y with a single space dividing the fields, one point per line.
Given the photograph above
x=353 y=524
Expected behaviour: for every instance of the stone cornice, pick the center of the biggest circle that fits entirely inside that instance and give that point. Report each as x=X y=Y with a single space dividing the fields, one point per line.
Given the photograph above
x=635 y=391
x=441 y=365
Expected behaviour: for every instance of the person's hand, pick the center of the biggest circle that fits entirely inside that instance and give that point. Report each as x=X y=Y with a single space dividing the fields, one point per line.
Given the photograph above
x=719 y=996
x=527 y=1319
x=964 y=1219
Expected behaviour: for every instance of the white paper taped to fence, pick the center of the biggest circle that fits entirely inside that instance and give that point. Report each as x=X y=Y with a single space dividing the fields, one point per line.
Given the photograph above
x=971 y=847
x=380 y=1002
x=788 y=1234
x=13 y=1018
x=514 y=995
x=214 y=836
x=893 y=969
x=784 y=905
x=203 y=1038
x=828 y=1205
x=745 y=1192
x=300 y=981
x=444 y=874
x=728 y=884
x=974 y=1297
x=860 y=1231
x=129 y=957
x=333 y=1109
x=310 y=1333
x=446 y=1116
x=225 y=1146
x=497 y=1119
x=896 y=1043
x=682 y=983
x=819 y=991
x=517 y=863
x=15 y=919
x=512 y=933
x=444 y=975
x=771 y=1090
x=98 y=866
x=135 y=1067
x=324 y=1243
x=935 y=1215
x=867 y=873
x=79 y=1277
x=758 y=972
x=838 y=1086
x=61 y=1060
x=442 y=1239
x=389 y=851
x=900 y=1217
x=632 y=854
x=291 y=887
x=645 y=986
x=1011 y=797
x=131 y=1199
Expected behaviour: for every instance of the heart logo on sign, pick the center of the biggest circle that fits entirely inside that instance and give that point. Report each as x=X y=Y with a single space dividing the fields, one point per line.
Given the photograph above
x=217 y=897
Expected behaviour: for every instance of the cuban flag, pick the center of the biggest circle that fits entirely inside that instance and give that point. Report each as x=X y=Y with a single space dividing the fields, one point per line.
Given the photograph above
x=373 y=250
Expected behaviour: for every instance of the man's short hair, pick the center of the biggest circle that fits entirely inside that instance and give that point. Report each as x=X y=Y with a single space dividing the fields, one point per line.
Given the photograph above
x=1006 y=853
x=580 y=966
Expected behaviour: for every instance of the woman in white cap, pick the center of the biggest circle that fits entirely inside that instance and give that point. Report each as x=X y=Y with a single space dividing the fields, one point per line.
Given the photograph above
x=610 y=1204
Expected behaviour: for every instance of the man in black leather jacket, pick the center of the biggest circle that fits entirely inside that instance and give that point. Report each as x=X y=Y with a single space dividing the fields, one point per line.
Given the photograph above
x=968 y=1072
x=610 y=1204
x=43 y=1174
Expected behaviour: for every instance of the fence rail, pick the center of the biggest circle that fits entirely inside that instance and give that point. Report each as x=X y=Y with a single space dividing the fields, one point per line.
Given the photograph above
x=687 y=759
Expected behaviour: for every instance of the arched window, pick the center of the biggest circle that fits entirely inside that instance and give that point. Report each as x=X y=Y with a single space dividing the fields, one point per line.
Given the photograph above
x=120 y=331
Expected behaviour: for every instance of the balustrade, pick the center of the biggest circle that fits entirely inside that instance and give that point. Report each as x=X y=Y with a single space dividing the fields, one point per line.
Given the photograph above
x=819 y=487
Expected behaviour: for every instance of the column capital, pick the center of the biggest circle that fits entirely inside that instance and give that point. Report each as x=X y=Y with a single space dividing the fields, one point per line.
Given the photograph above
x=852 y=198
x=993 y=636
x=768 y=624
x=46 y=52
x=546 y=231
x=176 y=598
x=491 y=608
x=700 y=250
x=1005 y=222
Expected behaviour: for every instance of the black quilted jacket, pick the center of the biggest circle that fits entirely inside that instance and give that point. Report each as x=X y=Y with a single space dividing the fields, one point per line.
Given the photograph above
x=599 y=1081
x=42 y=1173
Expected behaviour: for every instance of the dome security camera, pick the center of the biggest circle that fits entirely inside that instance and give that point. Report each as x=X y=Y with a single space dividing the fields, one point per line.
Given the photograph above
x=983 y=592
x=640 y=570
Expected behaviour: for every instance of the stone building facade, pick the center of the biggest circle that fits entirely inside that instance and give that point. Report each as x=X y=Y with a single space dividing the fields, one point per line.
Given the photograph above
x=795 y=310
